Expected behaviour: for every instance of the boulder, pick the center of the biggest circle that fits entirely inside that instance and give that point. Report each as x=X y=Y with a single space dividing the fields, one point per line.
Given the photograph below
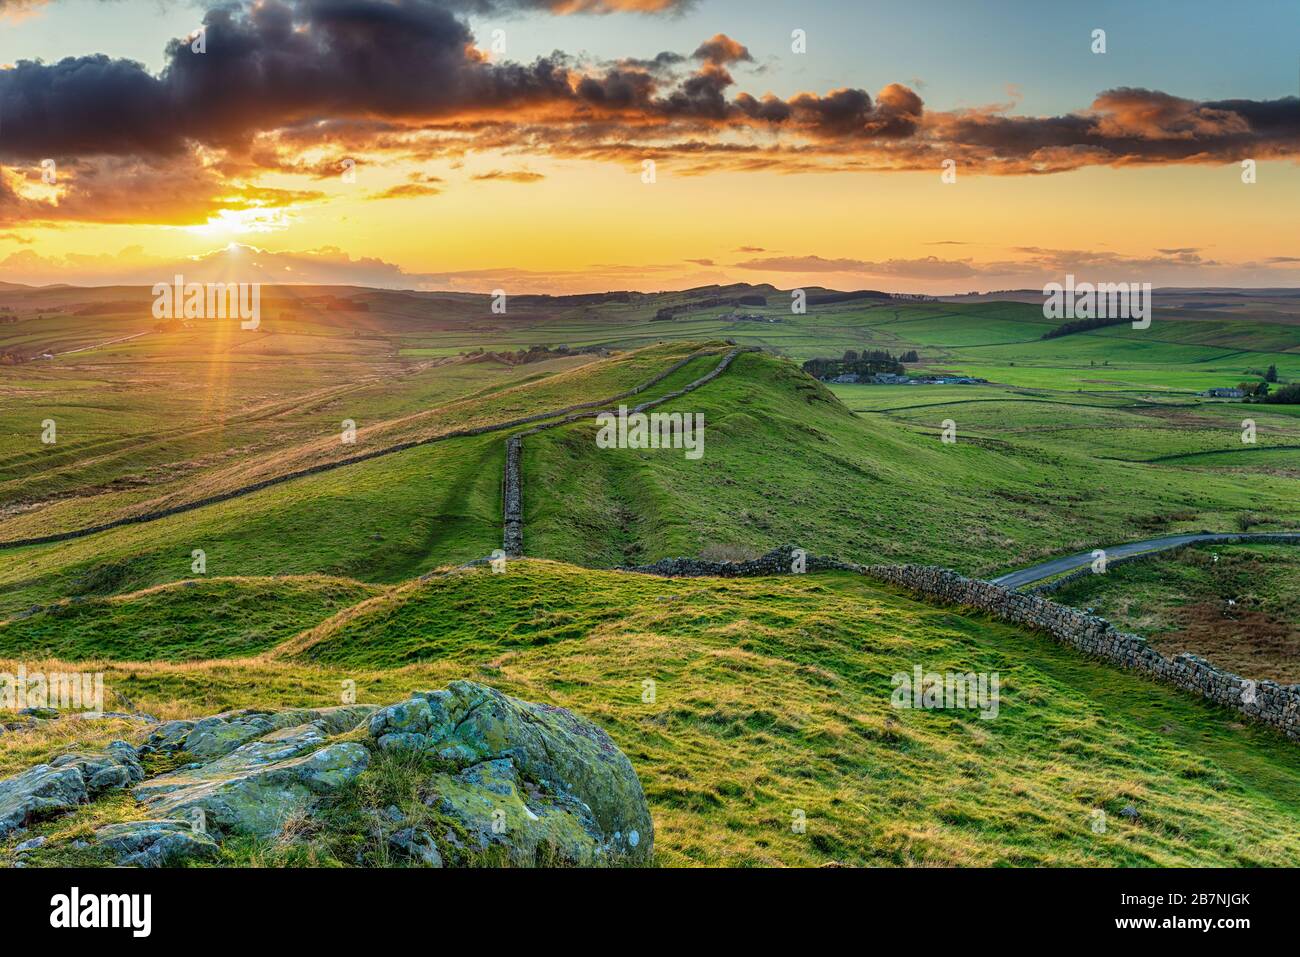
x=417 y=845
x=523 y=823
x=155 y=843
x=502 y=781
x=564 y=764
x=220 y=734
x=255 y=788
x=65 y=782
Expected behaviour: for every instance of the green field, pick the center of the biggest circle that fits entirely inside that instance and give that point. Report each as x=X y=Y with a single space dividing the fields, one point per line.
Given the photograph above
x=773 y=694
x=1238 y=605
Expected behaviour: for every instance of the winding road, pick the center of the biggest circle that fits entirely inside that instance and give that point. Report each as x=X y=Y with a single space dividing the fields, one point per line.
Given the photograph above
x=1055 y=566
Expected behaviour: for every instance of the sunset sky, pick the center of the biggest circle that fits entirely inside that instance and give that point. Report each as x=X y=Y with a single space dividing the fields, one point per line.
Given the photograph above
x=478 y=166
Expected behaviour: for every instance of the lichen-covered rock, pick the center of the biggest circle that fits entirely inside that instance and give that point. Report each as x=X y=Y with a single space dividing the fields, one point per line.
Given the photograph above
x=526 y=824
x=255 y=788
x=155 y=843
x=220 y=734
x=65 y=782
x=417 y=845
x=502 y=782
x=588 y=798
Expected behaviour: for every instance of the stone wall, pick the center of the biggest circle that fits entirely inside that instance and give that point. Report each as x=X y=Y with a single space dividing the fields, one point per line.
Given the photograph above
x=1272 y=704
x=156 y=514
x=1264 y=701
x=513 y=497
x=780 y=561
x=513 y=482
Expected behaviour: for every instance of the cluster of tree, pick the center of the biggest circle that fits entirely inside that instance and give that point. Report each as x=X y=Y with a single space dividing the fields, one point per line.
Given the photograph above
x=1255 y=389
x=1287 y=395
x=867 y=362
x=1083 y=325
x=531 y=354
x=10 y=357
x=668 y=312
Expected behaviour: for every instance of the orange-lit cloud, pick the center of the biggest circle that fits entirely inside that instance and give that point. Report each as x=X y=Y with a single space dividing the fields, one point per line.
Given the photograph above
x=510 y=176
x=297 y=87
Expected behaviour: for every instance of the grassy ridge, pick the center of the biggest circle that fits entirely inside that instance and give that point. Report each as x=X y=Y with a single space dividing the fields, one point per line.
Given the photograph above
x=785 y=462
x=380 y=521
x=186 y=621
x=383 y=520
x=773 y=695
x=132 y=466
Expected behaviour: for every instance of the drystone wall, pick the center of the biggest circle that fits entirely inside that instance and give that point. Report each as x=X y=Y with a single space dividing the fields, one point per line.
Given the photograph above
x=513 y=482
x=1264 y=701
x=156 y=514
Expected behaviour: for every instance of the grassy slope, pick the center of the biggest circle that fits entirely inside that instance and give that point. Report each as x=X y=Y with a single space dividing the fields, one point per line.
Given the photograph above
x=185 y=621
x=109 y=465
x=785 y=462
x=773 y=695
x=1179 y=601
x=384 y=520
x=380 y=521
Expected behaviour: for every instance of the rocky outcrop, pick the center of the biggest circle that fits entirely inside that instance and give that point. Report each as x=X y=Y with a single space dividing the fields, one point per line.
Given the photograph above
x=155 y=843
x=531 y=778
x=220 y=734
x=499 y=781
x=64 y=783
x=256 y=787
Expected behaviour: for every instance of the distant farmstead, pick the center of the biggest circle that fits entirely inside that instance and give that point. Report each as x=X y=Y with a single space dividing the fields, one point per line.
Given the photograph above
x=1223 y=393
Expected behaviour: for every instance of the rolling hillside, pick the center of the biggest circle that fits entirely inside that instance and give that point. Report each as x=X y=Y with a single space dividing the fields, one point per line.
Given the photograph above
x=772 y=696
x=739 y=702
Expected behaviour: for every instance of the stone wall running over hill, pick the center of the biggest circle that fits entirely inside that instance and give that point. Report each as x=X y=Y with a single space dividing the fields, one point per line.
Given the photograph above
x=1264 y=701
x=513 y=483
x=515 y=423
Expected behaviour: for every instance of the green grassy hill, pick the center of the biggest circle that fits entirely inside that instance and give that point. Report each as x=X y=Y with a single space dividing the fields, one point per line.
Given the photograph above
x=772 y=696
x=786 y=462
x=191 y=620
